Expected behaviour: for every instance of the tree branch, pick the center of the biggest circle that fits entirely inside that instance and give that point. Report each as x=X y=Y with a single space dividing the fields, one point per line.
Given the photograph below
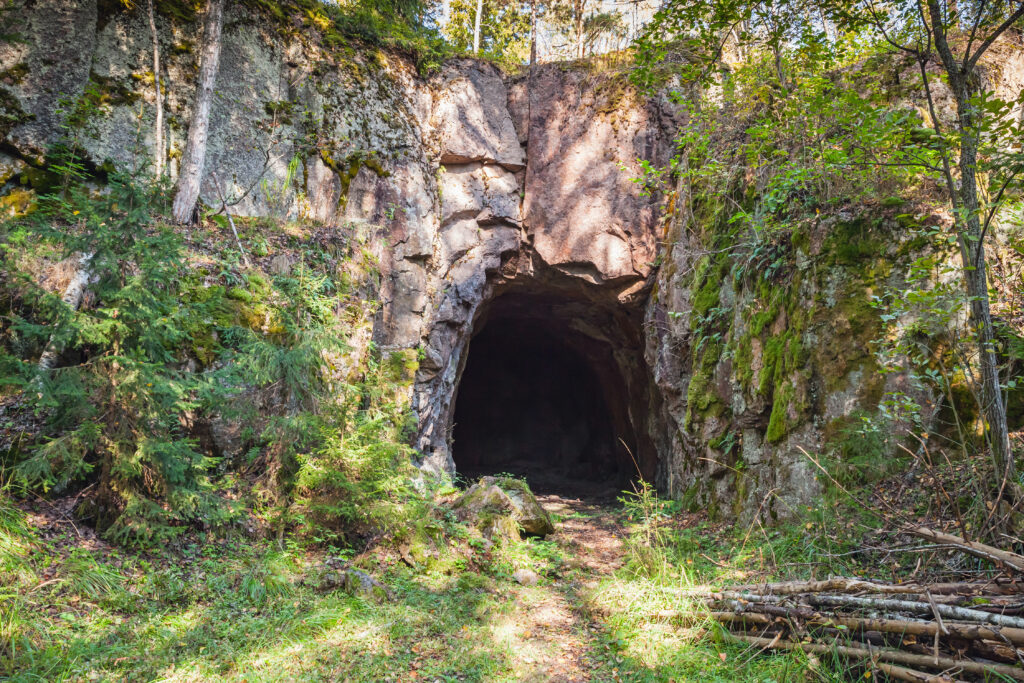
x=1002 y=28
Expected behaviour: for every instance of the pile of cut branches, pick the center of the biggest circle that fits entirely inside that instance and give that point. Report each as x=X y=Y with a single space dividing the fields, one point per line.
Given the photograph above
x=969 y=630
x=963 y=630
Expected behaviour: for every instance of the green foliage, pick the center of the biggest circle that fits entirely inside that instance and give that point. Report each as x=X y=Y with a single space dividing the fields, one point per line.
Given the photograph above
x=118 y=412
x=266 y=577
x=159 y=348
x=15 y=538
x=504 y=29
x=397 y=24
x=647 y=539
x=863 y=449
x=83 y=575
x=826 y=105
x=360 y=476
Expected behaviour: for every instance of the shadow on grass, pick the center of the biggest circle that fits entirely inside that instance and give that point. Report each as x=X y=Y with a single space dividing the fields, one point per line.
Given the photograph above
x=427 y=632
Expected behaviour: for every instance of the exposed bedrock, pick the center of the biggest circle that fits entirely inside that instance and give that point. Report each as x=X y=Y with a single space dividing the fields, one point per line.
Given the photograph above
x=515 y=248
x=566 y=246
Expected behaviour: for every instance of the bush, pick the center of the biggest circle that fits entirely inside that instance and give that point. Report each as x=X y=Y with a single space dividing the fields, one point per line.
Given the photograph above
x=116 y=413
x=160 y=348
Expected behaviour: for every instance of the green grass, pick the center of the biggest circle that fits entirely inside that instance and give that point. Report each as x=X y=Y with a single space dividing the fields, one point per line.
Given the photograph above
x=241 y=611
x=244 y=609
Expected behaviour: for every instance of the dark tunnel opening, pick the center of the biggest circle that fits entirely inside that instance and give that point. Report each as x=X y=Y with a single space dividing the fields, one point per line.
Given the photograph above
x=541 y=398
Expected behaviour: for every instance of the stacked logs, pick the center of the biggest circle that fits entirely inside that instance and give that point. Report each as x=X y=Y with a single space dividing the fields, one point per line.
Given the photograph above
x=910 y=632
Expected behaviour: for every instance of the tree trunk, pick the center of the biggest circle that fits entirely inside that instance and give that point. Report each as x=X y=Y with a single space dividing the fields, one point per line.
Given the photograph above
x=533 y=32
x=975 y=267
x=580 y=7
x=158 y=152
x=73 y=298
x=976 y=279
x=195 y=148
x=972 y=254
x=476 y=26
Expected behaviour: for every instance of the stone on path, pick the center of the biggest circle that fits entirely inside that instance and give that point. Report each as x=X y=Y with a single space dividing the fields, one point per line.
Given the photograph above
x=493 y=502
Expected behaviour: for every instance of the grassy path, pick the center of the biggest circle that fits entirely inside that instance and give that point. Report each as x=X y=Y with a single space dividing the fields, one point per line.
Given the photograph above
x=564 y=609
x=555 y=634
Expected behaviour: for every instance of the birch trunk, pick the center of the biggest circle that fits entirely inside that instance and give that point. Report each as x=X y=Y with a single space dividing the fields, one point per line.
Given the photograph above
x=72 y=297
x=159 y=154
x=476 y=26
x=580 y=8
x=193 y=160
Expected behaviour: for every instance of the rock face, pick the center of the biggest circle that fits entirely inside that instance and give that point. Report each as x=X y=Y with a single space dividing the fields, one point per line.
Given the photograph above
x=584 y=212
x=487 y=197
x=471 y=119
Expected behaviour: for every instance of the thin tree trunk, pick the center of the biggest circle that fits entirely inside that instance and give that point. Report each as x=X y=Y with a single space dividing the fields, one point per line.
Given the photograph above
x=533 y=32
x=158 y=153
x=829 y=34
x=73 y=298
x=972 y=254
x=231 y=221
x=580 y=8
x=476 y=26
x=195 y=148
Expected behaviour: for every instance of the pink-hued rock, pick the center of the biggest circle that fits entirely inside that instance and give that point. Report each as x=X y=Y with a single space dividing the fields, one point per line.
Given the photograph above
x=586 y=214
x=471 y=118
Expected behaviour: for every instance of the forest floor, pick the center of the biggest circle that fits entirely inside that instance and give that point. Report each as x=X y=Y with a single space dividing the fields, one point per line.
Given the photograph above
x=557 y=637
x=570 y=607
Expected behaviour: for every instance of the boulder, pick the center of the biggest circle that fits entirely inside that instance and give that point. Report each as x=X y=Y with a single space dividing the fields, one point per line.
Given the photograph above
x=354 y=582
x=525 y=577
x=493 y=501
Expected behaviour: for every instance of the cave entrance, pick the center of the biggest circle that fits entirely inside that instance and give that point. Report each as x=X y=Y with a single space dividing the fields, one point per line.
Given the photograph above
x=546 y=394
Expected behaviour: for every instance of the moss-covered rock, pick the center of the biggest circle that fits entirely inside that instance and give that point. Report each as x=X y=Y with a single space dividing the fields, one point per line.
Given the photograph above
x=502 y=506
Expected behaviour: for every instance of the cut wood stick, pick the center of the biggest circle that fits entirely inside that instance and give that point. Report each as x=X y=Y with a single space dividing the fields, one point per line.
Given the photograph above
x=838 y=585
x=924 y=629
x=1001 y=586
x=901 y=673
x=1000 y=557
x=876 y=655
x=948 y=611
x=740 y=601
x=996 y=586
x=1006 y=604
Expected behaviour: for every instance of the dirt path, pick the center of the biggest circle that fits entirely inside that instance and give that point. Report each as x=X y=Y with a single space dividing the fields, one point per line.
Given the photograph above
x=550 y=627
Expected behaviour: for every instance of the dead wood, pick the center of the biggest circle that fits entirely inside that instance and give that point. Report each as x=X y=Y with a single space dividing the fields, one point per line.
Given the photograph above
x=948 y=611
x=888 y=655
x=1001 y=558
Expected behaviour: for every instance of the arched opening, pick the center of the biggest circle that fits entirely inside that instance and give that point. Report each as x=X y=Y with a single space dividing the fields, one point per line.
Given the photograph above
x=546 y=393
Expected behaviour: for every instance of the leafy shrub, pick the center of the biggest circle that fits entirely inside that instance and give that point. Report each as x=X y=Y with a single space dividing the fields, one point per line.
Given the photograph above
x=158 y=349
x=863 y=450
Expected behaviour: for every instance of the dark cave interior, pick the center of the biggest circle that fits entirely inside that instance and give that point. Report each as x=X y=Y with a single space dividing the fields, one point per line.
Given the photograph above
x=543 y=395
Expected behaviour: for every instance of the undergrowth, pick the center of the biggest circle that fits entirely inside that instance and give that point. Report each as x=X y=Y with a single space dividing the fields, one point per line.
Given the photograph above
x=176 y=341
x=236 y=608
